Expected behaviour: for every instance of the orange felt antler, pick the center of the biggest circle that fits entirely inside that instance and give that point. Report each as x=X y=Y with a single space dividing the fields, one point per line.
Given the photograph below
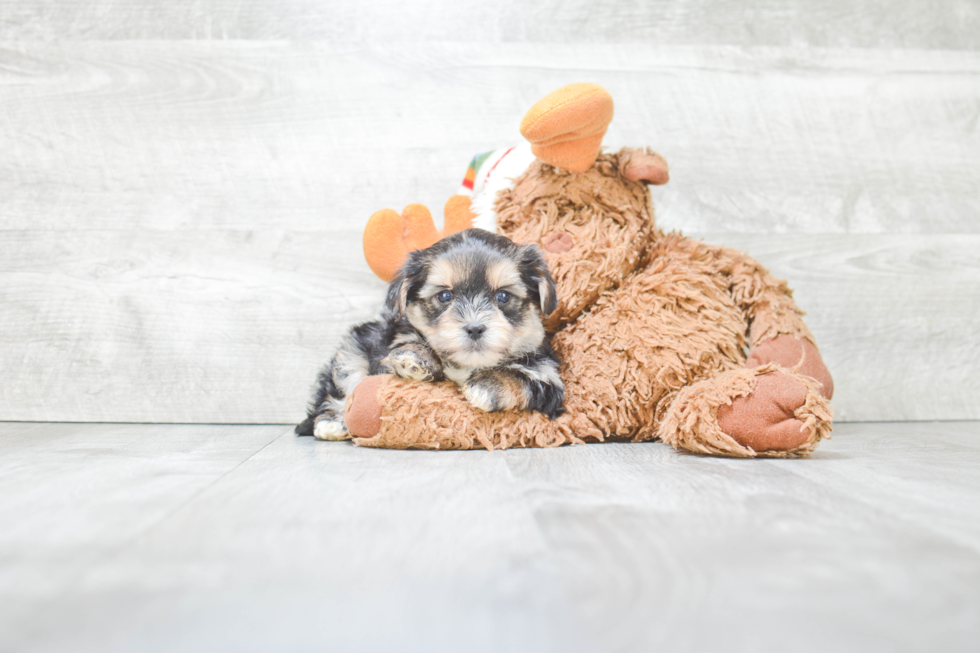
x=565 y=127
x=389 y=237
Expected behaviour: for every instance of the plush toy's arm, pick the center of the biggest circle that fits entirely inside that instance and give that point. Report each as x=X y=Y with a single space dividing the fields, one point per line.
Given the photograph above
x=397 y=414
x=777 y=332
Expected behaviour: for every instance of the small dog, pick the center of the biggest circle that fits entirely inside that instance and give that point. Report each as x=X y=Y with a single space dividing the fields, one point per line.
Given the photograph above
x=467 y=309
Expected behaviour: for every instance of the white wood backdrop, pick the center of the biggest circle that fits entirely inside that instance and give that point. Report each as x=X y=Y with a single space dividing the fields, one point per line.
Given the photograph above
x=183 y=184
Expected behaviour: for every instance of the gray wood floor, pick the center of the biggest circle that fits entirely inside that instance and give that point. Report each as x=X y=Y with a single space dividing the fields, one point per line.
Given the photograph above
x=129 y=537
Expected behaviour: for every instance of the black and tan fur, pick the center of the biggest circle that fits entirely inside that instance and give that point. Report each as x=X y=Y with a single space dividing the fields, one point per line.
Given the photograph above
x=468 y=309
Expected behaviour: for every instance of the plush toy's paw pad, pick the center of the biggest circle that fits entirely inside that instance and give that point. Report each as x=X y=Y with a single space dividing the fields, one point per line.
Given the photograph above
x=791 y=352
x=329 y=428
x=765 y=418
x=409 y=363
x=363 y=412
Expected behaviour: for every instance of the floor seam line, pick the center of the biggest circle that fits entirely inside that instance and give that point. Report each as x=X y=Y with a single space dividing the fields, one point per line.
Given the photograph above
x=108 y=555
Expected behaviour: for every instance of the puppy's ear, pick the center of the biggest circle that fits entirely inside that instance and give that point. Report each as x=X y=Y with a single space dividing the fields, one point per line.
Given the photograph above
x=549 y=294
x=537 y=279
x=396 y=300
x=409 y=279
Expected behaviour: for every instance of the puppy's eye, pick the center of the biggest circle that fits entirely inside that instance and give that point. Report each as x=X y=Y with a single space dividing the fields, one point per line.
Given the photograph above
x=444 y=296
x=503 y=297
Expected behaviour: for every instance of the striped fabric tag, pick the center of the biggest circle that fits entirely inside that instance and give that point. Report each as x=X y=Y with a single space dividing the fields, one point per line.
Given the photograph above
x=475 y=164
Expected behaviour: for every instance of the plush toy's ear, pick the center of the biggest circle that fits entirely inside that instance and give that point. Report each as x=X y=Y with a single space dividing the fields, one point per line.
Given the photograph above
x=644 y=165
x=565 y=127
x=537 y=279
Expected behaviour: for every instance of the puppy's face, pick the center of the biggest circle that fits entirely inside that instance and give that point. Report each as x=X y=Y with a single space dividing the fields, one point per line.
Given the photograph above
x=476 y=297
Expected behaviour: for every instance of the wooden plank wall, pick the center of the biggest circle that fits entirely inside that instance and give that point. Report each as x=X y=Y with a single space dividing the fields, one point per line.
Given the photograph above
x=183 y=183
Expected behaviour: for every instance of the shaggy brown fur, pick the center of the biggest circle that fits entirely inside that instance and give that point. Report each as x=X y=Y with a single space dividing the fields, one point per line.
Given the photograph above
x=651 y=328
x=598 y=210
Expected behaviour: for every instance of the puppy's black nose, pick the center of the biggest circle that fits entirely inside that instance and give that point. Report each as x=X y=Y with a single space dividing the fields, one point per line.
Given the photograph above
x=475 y=330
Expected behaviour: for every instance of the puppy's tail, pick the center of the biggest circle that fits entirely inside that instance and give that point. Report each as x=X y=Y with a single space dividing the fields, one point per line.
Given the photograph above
x=305 y=427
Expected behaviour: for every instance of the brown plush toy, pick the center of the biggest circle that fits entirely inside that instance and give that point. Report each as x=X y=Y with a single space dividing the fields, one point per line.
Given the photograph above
x=652 y=328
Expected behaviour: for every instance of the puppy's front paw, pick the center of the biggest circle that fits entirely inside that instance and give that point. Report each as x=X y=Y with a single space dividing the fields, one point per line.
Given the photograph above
x=482 y=394
x=414 y=363
x=330 y=429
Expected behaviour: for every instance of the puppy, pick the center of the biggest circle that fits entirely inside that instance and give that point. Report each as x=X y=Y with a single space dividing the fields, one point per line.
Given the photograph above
x=467 y=309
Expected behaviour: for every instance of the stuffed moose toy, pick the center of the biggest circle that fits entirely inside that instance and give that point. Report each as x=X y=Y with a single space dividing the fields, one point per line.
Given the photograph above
x=661 y=337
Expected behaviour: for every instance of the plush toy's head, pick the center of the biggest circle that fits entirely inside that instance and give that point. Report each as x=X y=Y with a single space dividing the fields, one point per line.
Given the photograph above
x=593 y=226
x=588 y=211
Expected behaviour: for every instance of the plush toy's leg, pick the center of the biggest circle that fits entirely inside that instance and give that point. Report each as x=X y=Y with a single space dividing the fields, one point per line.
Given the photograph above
x=767 y=411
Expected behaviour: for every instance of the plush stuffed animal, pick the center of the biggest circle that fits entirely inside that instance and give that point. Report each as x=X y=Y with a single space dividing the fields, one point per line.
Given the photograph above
x=652 y=328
